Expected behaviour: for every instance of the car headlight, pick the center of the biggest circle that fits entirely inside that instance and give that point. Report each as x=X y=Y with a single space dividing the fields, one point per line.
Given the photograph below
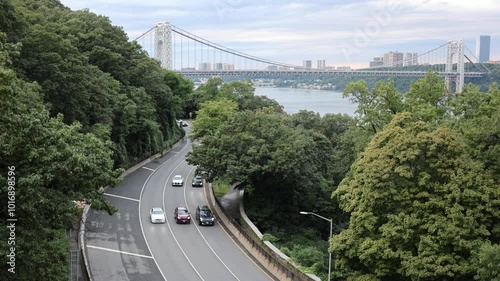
x=189 y=218
x=212 y=219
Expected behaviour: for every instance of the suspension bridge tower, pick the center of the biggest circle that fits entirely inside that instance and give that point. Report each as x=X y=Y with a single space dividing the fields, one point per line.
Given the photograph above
x=455 y=75
x=163 y=44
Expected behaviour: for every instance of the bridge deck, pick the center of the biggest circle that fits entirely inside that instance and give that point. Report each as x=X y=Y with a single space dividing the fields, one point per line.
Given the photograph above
x=312 y=72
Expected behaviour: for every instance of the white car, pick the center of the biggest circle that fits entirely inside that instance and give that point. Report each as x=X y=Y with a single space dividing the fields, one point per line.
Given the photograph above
x=157 y=215
x=177 y=180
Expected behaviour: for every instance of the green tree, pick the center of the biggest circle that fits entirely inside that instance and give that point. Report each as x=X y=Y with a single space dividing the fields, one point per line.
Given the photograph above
x=376 y=107
x=208 y=91
x=419 y=206
x=55 y=164
x=279 y=166
x=91 y=73
x=304 y=119
x=211 y=117
x=428 y=99
x=478 y=119
x=181 y=88
x=488 y=263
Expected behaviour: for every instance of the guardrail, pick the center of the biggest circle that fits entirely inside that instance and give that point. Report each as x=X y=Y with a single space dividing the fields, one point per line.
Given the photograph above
x=271 y=260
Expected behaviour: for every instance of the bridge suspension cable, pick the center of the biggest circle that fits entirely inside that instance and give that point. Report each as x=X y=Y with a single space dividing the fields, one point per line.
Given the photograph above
x=227 y=50
x=172 y=47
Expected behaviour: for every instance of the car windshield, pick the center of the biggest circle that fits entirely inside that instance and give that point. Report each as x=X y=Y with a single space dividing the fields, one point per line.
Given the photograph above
x=182 y=212
x=177 y=178
x=157 y=212
x=206 y=214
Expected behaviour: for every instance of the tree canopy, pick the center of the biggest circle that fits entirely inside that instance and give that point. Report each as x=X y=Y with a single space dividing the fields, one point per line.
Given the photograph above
x=420 y=206
x=78 y=101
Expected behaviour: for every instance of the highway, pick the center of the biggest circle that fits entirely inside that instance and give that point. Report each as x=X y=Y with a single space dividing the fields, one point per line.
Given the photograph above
x=127 y=246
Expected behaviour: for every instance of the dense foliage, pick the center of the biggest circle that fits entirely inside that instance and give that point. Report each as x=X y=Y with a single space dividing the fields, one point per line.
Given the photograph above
x=420 y=206
x=418 y=173
x=90 y=73
x=77 y=102
x=285 y=163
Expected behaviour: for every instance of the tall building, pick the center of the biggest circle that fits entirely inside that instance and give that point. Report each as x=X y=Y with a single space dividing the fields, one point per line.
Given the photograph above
x=410 y=59
x=228 y=66
x=219 y=66
x=483 y=48
x=307 y=64
x=377 y=62
x=393 y=59
x=205 y=66
x=321 y=64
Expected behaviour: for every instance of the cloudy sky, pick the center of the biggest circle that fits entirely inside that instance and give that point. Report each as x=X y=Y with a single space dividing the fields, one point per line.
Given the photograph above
x=338 y=31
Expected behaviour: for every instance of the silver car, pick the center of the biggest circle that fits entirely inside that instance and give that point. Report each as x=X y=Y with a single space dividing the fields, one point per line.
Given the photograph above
x=157 y=215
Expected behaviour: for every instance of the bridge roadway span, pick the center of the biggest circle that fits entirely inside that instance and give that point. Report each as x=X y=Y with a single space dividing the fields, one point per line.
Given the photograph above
x=126 y=246
x=318 y=72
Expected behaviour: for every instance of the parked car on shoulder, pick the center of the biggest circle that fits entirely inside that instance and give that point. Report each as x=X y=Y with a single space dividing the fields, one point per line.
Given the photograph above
x=177 y=180
x=204 y=215
x=197 y=181
x=182 y=215
x=157 y=215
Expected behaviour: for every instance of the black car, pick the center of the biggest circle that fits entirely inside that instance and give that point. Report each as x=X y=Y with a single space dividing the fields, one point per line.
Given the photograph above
x=197 y=181
x=204 y=215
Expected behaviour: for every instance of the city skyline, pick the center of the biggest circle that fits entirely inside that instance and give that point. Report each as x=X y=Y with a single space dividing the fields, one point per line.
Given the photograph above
x=348 y=33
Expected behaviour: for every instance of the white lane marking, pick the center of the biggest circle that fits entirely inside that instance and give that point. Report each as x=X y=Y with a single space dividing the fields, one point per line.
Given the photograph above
x=170 y=227
x=144 y=167
x=122 y=197
x=203 y=237
x=120 y=252
x=140 y=220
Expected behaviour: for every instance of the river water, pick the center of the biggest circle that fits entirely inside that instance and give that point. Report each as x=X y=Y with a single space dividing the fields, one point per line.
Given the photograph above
x=321 y=101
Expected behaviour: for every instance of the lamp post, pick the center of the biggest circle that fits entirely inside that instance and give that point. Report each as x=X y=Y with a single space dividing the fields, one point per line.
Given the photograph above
x=331 y=228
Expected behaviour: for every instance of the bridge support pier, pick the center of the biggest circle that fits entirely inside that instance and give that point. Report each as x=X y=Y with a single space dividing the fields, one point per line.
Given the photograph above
x=163 y=44
x=455 y=48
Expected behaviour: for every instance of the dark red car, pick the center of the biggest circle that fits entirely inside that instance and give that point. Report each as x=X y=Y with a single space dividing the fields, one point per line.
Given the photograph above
x=182 y=215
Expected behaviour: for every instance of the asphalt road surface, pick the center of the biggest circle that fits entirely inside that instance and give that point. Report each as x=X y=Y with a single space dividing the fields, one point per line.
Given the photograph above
x=127 y=246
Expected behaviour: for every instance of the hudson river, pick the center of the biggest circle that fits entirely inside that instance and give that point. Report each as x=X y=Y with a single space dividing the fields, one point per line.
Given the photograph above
x=320 y=101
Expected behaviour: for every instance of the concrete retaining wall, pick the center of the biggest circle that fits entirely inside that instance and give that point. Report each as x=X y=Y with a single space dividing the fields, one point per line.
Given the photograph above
x=268 y=255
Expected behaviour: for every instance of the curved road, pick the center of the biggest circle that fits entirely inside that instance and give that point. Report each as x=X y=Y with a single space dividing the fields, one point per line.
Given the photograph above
x=126 y=246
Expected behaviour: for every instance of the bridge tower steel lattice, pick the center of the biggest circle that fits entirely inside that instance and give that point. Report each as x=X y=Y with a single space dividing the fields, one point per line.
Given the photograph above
x=163 y=44
x=455 y=48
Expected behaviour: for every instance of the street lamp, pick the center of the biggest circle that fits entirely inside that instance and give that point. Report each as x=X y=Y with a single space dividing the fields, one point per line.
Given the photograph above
x=331 y=228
